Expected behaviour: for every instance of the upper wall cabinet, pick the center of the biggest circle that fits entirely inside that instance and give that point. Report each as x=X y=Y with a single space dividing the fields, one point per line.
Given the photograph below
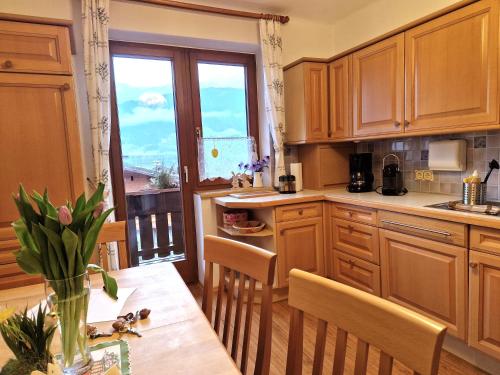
x=378 y=88
x=32 y=48
x=306 y=102
x=451 y=70
x=340 y=98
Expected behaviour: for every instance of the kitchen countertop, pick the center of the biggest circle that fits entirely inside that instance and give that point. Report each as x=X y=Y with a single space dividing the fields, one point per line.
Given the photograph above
x=411 y=203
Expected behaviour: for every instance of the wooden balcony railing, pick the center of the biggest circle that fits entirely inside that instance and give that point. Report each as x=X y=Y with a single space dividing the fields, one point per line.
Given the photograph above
x=155 y=225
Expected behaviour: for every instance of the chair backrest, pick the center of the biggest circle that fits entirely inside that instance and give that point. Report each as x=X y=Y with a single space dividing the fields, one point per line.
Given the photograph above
x=253 y=265
x=398 y=332
x=111 y=233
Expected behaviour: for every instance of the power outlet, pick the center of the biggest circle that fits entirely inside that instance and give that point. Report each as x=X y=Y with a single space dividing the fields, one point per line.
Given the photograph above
x=428 y=175
x=419 y=175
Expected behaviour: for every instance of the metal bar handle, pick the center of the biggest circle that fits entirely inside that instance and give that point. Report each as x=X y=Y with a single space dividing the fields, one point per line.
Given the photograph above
x=443 y=233
x=386 y=156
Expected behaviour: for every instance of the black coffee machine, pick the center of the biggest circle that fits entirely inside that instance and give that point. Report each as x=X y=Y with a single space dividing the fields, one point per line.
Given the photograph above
x=360 y=170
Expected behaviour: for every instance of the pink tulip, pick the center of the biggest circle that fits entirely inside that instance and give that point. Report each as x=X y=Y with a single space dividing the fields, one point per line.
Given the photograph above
x=65 y=217
x=98 y=210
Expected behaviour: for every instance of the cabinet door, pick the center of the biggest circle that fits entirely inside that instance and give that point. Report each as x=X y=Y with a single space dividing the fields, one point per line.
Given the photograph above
x=40 y=139
x=300 y=245
x=426 y=276
x=340 y=98
x=484 y=310
x=378 y=88
x=32 y=48
x=316 y=100
x=451 y=70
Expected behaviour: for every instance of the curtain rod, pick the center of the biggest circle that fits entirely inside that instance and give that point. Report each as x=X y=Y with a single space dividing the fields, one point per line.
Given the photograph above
x=211 y=9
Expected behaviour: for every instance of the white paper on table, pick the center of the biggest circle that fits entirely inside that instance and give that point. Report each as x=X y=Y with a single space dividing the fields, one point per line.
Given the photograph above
x=103 y=308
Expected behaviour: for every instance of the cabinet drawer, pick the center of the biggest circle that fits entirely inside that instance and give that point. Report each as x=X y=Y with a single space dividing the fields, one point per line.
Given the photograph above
x=33 y=48
x=423 y=227
x=298 y=211
x=355 y=213
x=356 y=272
x=485 y=239
x=356 y=239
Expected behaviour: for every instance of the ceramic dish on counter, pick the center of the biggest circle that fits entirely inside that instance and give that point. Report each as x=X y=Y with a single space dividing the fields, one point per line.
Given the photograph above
x=246 y=227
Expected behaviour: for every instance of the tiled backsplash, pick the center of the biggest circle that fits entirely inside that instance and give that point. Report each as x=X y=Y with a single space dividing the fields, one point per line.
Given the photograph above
x=413 y=154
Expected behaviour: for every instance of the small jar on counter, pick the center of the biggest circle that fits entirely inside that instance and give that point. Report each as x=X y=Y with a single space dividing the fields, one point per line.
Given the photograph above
x=283 y=184
x=287 y=184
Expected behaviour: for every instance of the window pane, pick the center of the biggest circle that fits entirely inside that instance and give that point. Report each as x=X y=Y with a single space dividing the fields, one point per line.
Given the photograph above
x=223 y=103
x=145 y=100
x=223 y=100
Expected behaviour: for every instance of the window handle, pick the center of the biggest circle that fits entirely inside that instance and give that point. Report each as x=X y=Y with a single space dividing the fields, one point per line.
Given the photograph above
x=186 y=174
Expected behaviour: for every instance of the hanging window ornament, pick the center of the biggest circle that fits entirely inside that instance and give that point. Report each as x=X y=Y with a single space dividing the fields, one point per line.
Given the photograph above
x=215 y=152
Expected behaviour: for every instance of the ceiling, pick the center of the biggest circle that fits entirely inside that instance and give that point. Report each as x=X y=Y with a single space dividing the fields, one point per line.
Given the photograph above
x=326 y=11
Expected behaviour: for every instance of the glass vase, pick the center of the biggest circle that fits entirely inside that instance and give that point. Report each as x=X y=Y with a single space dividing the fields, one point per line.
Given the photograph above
x=68 y=301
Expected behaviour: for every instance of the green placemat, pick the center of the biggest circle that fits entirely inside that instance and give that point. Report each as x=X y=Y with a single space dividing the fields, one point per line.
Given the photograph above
x=108 y=354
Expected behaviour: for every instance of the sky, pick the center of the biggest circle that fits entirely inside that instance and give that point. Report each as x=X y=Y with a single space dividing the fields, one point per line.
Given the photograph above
x=156 y=74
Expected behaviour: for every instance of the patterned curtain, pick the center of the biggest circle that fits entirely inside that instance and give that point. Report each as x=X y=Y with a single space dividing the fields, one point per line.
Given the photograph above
x=95 y=20
x=271 y=49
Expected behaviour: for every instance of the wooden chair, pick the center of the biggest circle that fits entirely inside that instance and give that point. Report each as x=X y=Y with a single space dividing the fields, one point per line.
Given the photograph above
x=398 y=332
x=253 y=265
x=111 y=232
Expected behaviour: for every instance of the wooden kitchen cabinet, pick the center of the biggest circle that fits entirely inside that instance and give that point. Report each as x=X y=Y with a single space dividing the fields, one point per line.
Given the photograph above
x=306 y=101
x=484 y=307
x=451 y=70
x=32 y=48
x=300 y=245
x=40 y=139
x=426 y=276
x=340 y=98
x=378 y=88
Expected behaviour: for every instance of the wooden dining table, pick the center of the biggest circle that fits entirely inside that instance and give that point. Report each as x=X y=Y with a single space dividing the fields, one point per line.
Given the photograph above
x=176 y=338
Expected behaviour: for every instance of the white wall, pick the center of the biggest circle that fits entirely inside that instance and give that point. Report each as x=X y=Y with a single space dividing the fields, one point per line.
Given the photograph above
x=379 y=17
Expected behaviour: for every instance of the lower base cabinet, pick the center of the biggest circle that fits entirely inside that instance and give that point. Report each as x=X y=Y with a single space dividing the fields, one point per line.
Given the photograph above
x=300 y=245
x=484 y=308
x=428 y=277
x=356 y=272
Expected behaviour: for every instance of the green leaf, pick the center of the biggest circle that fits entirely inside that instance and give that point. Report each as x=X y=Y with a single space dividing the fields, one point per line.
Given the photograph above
x=70 y=241
x=19 y=228
x=110 y=284
x=80 y=267
x=51 y=210
x=54 y=263
x=52 y=223
x=97 y=197
x=41 y=239
x=28 y=263
x=57 y=246
x=28 y=213
x=91 y=236
x=42 y=206
x=79 y=205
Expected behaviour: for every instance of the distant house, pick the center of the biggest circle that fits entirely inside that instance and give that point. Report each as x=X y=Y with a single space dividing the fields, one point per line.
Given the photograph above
x=136 y=178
